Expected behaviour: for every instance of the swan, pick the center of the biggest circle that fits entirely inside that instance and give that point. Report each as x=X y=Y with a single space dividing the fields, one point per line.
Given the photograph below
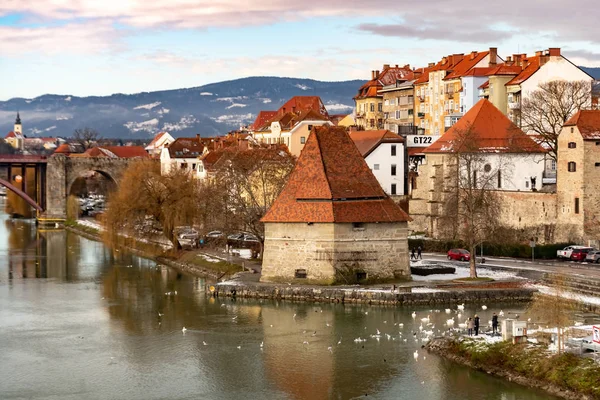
x=416 y=354
x=414 y=314
x=183 y=330
x=450 y=321
x=448 y=311
x=501 y=313
x=461 y=306
x=426 y=319
x=484 y=307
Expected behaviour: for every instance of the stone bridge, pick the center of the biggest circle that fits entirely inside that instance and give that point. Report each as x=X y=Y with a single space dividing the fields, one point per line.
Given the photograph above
x=62 y=171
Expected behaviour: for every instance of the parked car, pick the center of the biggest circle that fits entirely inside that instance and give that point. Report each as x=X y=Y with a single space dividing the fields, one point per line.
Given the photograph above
x=243 y=240
x=579 y=254
x=565 y=254
x=593 y=256
x=459 y=255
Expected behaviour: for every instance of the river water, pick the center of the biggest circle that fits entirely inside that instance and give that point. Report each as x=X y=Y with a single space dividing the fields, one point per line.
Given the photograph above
x=78 y=321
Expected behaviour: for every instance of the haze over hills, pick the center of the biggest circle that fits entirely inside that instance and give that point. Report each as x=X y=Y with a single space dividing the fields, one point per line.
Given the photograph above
x=209 y=110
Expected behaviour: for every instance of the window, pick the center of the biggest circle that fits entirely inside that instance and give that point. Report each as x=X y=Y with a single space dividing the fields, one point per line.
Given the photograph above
x=393 y=150
x=393 y=188
x=553 y=165
x=193 y=166
x=487 y=167
x=597 y=164
x=527 y=184
x=302 y=139
x=300 y=274
x=393 y=169
x=372 y=121
x=358 y=225
x=572 y=166
x=372 y=107
x=474 y=178
x=376 y=167
x=379 y=107
x=572 y=145
x=183 y=165
x=310 y=127
x=572 y=129
x=499 y=179
x=576 y=205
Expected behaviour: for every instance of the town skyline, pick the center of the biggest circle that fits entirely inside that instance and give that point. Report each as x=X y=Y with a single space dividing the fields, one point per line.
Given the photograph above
x=84 y=49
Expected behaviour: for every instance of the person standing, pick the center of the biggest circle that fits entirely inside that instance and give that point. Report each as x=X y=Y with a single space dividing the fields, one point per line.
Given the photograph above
x=412 y=254
x=494 y=324
x=476 y=324
x=470 y=326
x=419 y=252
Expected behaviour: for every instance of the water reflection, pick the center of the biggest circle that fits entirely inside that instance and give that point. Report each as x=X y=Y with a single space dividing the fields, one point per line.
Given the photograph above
x=109 y=325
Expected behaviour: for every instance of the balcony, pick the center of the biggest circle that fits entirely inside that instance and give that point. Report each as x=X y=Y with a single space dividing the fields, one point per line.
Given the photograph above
x=421 y=115
x=449 y=95
x=515 y=105
x=421 y=98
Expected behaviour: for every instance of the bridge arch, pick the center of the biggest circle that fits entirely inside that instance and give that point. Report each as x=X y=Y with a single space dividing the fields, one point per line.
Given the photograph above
x=21 y=194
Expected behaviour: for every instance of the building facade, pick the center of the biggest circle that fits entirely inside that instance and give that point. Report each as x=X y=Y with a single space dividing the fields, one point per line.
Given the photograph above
x=398 y=108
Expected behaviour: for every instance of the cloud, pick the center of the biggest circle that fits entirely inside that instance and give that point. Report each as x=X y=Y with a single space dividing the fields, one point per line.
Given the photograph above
x=75 y=38
x=589 y=56
x=434 y=32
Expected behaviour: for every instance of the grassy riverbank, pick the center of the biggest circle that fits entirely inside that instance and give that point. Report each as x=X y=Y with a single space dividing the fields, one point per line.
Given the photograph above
x=566 y=375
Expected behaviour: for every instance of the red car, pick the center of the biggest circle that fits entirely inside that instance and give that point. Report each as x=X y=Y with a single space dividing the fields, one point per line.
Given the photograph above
x=580 y=254
x=459 y=255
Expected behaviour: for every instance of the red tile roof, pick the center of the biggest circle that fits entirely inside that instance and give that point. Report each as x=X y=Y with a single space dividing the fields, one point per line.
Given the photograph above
x=262 y=119
x=532 y=65
x=68 y=148
x=188 y=147
x=484 y=85
x=481 y=71
x=388 y=76
x=588 y=123
x=11 y=134
x=465 y=64
x=331 y=182
x=298 y=104
x=367 y=141
x=504 y=69
x=114 y=152
x=485 y=129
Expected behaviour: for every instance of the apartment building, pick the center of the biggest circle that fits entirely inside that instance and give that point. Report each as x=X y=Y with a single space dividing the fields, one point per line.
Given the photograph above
x=398 y=108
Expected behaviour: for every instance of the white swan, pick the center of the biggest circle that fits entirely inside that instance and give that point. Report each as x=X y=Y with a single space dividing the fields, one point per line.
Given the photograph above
x=461 y=306
x=484 y=307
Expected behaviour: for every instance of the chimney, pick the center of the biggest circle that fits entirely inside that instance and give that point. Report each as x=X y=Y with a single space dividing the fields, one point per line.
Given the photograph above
x=386 y=66
x=538 y=53
x=517 y=59
x=508 y=60
x=444 y=60
x=456 y=58
x=493 y=56
x=554 y=51
x=376 y=74
x=294 y=109
x=430 y=65
x=396 y=65
x=198 y=137
x=473 y=54
x=372 y=74
x=406 y=66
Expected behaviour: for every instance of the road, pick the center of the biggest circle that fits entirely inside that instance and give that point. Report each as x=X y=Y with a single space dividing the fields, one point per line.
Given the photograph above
x=550 y=266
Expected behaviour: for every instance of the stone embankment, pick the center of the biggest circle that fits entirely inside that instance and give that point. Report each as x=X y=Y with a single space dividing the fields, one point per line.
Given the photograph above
x=448 y=348
x=365 y=295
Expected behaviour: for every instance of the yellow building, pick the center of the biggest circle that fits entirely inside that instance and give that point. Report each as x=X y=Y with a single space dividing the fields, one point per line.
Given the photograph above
x=15 y=137
x=369 y=100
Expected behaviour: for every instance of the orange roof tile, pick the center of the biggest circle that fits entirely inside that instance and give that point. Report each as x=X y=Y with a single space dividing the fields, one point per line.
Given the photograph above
x=465 y=64
x=331 y=182
x=504 y=69
x=10 y=134
x=588 y=123
x=304 y=103
x=156 y=139
x=480 y=71
x=484 y=85
x=188 y=147
x=487 y=130
x=533 y=64
x=367 y=141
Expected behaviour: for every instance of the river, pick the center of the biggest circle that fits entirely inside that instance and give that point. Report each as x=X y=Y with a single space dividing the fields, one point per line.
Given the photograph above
x=78 y=321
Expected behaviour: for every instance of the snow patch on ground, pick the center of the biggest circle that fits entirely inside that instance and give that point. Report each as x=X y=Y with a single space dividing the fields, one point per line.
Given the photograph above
x=63 y=117
x=28 y=101
x=566 y=294
x=50 y=128
x=338 y=107
x=231 y=99
x=426 y=290
x=90 y=224
x=149 y=126
x=209 y=258
x=148 y=106
x=68 y=98
x=245 y=253
x=206 y=94
x=235 y=105
x=303 y=87
x=184 y=122
x=463 y=272
x=163 y=111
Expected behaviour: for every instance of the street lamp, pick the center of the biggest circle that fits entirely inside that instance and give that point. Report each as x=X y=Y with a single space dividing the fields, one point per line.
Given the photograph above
x=18 y=178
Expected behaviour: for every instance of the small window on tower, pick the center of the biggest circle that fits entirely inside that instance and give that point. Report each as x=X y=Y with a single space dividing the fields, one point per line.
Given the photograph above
x=302 y=139
x=572 y=145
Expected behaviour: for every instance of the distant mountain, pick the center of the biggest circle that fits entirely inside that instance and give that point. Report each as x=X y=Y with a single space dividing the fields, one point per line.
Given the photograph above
x=595 y=72
x=208 y=110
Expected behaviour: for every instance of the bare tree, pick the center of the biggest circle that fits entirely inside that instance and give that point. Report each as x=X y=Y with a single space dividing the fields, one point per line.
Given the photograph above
x=251 y=181
x=145 y=197
x=545 y=110
x=470 y=208
x=86 y=137
x=6 y=148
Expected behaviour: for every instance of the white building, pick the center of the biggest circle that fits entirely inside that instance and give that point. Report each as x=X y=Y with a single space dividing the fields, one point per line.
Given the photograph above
x=160 y=141
x=183 y=155
x=384 y=153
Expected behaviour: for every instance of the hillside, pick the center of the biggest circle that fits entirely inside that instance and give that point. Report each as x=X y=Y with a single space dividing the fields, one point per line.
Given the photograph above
x=209 y=110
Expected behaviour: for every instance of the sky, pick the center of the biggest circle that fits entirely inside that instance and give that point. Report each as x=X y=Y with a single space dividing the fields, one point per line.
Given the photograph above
x=100 y=47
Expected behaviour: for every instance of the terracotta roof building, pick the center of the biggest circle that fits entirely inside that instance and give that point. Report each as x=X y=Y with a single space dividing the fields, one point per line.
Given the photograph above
x=159 y=142
x=114 y=152
x=328 y=214
x=183 y=154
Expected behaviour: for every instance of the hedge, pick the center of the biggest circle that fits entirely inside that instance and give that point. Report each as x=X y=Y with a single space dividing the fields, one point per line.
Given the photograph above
x=513 y=250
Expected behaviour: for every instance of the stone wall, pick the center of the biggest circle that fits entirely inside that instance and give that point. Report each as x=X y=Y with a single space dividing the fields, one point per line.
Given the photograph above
x=335 y=252
x=365 y=296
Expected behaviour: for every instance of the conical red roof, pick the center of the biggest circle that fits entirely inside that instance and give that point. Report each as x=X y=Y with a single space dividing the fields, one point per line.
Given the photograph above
x=485 y=129
x=332 y=183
